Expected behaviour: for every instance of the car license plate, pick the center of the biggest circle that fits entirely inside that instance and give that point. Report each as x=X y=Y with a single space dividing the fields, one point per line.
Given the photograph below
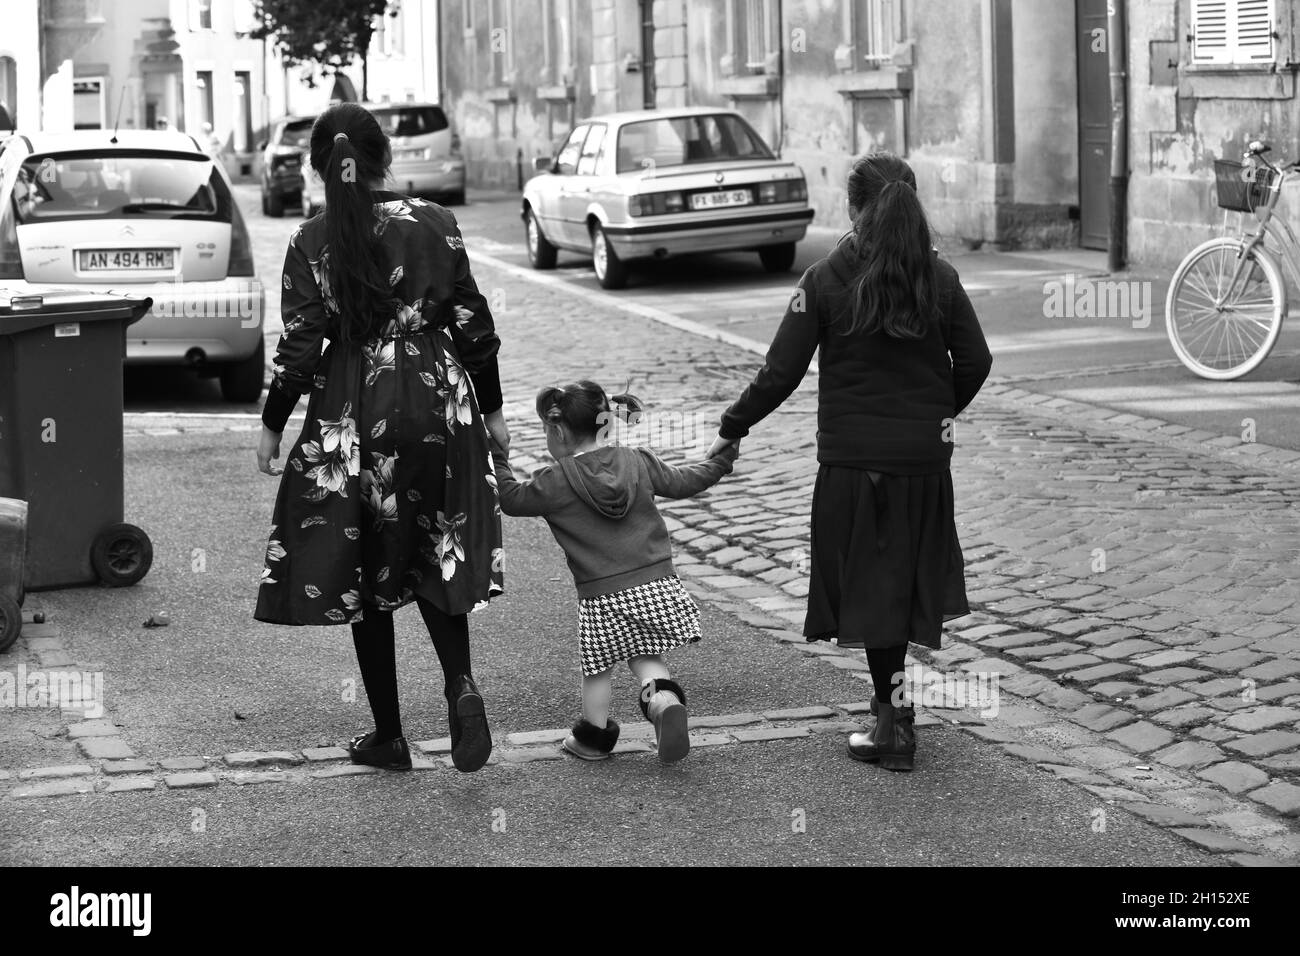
x=732 y=197
x=112 y=260
x=408 y=154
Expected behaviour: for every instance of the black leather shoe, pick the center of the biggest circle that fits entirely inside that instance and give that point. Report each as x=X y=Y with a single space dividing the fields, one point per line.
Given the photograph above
x=891 y=743
x=390 y=755
x=471 y=741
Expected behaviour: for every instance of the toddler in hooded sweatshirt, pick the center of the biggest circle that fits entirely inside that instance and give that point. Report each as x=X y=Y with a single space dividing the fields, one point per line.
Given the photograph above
x=599 y=501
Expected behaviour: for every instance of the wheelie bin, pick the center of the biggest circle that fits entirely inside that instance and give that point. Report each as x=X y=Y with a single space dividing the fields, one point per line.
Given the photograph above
x=61 y=440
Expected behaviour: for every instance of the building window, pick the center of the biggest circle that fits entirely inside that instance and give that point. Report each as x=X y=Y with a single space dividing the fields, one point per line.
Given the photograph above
x=557 y=42
x=207 y=114
x=202 y=14
x=243 y=111
x=388 y=32
x=88 y=103
x=753 y=35
x=1232 y=32
x=872 y=28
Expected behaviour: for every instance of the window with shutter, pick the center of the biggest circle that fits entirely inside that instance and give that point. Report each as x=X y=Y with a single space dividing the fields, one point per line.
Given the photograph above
x=1232 y=31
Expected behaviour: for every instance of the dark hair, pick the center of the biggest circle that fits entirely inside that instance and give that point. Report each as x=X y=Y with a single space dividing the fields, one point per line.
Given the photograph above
x=583 y=406
x=349 y=151
x=896 y=293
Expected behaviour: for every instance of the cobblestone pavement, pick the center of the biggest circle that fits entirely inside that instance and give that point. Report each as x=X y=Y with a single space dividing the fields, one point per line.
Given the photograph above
x=1134 y=584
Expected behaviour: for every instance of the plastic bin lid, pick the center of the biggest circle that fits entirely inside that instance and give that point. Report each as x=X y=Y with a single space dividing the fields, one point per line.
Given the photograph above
x=22 y=310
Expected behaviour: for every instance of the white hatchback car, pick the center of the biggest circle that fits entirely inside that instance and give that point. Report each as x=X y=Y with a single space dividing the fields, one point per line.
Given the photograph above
x=144 y=212
x=657 y=183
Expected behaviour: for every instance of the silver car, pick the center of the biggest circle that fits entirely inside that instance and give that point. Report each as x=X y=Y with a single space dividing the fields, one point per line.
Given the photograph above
x=143 y=212
x=658 y=183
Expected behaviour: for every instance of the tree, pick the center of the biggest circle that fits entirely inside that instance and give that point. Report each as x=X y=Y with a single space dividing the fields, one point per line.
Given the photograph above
x=326 y=35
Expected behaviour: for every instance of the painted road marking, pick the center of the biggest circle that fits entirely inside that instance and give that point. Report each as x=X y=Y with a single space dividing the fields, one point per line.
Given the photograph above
x=1005 y=342
x=1191 y=396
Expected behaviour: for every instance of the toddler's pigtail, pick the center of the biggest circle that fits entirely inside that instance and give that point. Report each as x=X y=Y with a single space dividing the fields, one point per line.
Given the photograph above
x=630 y=407
x=548 y=404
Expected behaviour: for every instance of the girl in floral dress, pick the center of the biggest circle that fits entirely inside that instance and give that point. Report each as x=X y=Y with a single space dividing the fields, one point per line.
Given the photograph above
x=389 y=495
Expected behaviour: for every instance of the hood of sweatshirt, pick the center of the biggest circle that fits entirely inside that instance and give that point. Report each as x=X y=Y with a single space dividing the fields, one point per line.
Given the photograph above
x=605 y=479
x=844 y=261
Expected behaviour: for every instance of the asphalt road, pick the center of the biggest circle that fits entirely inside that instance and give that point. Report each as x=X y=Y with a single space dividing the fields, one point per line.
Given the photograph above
x=215 y=682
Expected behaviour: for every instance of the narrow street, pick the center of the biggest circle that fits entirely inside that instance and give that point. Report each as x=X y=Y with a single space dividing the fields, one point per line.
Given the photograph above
x=1132 y=563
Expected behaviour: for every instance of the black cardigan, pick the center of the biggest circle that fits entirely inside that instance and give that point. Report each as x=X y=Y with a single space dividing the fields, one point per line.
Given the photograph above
x=884 y=404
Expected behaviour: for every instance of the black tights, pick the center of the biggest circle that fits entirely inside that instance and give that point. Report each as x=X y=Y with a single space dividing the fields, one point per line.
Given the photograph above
x=886 y=665
x=377 y=656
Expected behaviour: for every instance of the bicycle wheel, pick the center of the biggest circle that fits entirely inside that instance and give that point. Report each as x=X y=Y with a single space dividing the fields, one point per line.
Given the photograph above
x=1217 y=339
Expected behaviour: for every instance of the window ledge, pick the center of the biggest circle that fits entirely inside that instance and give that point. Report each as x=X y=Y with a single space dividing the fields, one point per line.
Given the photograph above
x=557 y=94
x=500 y=94
x=1243 y=82
x=886 y=81
x=759 y=87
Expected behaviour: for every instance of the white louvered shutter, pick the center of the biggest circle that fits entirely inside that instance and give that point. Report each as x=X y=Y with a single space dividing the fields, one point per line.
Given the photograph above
x=1232 y=31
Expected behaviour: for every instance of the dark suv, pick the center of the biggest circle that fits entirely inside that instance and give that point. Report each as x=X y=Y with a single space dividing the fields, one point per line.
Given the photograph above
x=282 y=163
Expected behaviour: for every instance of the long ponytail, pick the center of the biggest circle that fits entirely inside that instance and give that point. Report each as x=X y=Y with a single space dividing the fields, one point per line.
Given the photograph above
x=349 y=150
x=895 y=292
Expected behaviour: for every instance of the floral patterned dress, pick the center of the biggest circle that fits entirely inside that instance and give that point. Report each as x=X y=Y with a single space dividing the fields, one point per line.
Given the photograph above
x=389 y=492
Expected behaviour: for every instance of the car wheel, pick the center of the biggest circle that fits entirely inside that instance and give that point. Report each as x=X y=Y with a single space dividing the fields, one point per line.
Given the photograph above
x=274 y=204
x=777 y=258
x=541 y=254
x=242 y=381
x=611 y=271
x=455 y=199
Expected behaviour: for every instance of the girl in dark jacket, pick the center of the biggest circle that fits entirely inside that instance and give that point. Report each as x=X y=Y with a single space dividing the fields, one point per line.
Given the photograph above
x=902 y=354
x=389 y=497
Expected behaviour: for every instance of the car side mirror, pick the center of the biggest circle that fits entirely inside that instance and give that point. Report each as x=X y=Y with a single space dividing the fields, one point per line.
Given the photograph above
x=544 y=164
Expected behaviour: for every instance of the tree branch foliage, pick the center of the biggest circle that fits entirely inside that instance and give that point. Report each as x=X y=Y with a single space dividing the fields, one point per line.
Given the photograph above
x=324 y=35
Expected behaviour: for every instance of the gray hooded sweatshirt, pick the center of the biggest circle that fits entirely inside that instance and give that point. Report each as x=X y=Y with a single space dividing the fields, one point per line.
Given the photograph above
x=600 y=506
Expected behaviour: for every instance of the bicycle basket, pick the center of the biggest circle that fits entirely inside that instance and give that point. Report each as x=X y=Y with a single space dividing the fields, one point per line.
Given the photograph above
x=1238 y=194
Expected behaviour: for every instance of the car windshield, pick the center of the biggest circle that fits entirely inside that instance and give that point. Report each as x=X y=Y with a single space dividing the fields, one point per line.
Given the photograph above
x=411 y=120
x=687 y=139
x=296 y=133
x=121 y=183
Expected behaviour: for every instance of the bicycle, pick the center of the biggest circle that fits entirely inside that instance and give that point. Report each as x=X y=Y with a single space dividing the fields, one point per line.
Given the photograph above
x=1228 y=299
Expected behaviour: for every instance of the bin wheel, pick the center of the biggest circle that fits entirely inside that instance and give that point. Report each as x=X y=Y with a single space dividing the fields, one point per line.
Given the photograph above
x=121 y=555
x=11 y=622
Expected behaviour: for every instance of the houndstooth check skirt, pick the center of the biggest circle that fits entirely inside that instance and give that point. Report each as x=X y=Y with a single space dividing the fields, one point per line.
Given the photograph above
x=649 y=618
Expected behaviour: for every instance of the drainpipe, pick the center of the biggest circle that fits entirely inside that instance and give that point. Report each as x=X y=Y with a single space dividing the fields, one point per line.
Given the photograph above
x=1117 y=53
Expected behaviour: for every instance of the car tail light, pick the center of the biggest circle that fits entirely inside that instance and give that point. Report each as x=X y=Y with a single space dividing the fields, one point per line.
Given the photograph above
x=241 y=249
x=11 y=259
x=455 y=142
x=655 y=204
x=783 y=190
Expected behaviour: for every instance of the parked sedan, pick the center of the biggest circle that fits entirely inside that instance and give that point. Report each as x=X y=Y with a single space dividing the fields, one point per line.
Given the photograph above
x=281 y=163
x=147 y=213
x=658 y=183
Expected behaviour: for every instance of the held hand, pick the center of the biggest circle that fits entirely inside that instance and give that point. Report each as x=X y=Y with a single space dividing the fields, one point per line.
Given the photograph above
x=268 y=450
x=720 y=444
x=496 y=426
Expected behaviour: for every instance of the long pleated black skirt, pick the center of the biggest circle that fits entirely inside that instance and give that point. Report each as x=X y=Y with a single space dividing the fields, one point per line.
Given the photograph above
x=886 y=564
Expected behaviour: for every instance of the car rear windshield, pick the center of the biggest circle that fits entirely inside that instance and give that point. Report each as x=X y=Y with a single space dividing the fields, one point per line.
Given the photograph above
x=411 y=120
x=296 y=133
x=687 y=139
x=120 y=184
